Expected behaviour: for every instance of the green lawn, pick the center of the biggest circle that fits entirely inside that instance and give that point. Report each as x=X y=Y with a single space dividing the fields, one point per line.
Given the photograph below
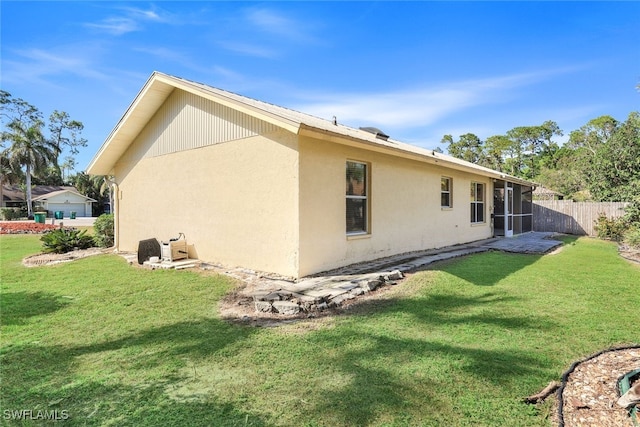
x=459 y=345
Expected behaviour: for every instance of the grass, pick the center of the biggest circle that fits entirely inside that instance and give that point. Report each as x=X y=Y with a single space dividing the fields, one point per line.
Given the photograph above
x=459 y=345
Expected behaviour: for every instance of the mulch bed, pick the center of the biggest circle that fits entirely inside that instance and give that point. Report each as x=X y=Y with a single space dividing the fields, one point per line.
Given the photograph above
x=590 y=392
x=41 y=260
x=20 y=227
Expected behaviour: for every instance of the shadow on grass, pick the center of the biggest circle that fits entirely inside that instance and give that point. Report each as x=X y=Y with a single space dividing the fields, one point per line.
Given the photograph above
x=489 y=268
x=440 y=310
x=195 y=338
x=568 y=240
x=375 y=391
x=36 y=375
x=18 y=307
x=420 y=359
x=92 y=403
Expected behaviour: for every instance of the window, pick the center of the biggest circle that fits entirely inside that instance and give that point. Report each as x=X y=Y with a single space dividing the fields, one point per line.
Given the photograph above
x=445 y=192
x=357 y=198
x=477 y=202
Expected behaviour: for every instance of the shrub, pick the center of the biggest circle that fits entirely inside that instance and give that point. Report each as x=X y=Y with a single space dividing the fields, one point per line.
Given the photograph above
x=610 y=228
x=632 y=212
x=632 y=237
x=103 y=229
x=9 y=214
x=62 y=240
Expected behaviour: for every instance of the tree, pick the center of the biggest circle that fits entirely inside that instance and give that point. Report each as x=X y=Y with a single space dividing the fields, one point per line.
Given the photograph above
x=94 y=186
x=64 y=132
x=468 y=147
x=68 y=165
x=107 y=189
x=614 y=172
x=29 y=149
x=495 y=148
x=528 y=143
x=561 y=172
x=9 y=174
x=592 y=135
x=17 y=109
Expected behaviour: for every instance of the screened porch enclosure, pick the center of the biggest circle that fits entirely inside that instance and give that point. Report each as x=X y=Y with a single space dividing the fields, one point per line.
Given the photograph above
x=513 y=208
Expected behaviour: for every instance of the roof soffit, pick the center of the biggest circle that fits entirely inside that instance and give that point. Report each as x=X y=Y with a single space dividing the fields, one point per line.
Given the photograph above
x=144 y=106
x=159 y=86
x=398 y=149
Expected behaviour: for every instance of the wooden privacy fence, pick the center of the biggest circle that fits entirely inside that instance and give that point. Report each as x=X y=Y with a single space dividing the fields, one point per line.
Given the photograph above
x=569 y=217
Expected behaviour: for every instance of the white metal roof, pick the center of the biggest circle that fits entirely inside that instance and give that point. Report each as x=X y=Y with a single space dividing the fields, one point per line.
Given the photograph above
x=159 y=87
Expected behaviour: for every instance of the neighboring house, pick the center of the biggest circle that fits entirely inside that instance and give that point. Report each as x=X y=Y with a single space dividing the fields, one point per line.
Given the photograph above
x=12 y=197
x=542 y=193
x=50 y=198
x=255 y=185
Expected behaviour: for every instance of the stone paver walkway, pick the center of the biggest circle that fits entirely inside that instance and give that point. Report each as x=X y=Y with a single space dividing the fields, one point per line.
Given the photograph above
x=332 y=288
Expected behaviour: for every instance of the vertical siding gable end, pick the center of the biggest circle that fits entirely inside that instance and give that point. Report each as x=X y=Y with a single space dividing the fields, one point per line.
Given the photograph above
x=187 y=121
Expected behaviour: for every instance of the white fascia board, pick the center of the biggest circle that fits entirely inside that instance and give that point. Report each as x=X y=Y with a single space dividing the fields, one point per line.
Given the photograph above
x=407 y=151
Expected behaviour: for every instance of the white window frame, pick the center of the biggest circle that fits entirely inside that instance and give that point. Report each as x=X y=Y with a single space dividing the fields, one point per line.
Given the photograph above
x=449 y=192
x=366 y=231
x=475 y=202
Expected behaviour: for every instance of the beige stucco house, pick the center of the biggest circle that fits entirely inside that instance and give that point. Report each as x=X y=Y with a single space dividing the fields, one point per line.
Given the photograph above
x=255 y=185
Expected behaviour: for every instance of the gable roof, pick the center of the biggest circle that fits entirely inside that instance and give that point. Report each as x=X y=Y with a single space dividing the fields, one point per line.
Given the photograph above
x=71 y=190
x=159 y=86
x=13 y=193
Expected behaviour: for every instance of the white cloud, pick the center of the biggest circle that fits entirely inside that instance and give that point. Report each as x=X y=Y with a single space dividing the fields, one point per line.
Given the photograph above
x=249 y=49
x=265 y=33
x=132 y=19
x=272 y=22
x=63 y=67
x=421 y=106
x=147 y=15
x=36 y=64
x=115 y=26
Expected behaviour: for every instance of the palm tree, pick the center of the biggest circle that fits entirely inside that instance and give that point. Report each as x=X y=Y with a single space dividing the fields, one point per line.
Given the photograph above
x=107 y=187
x=28 y=149
x=68 y=165
x=96 y=187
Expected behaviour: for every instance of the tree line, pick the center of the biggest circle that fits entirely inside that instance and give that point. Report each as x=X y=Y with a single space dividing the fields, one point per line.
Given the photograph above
x=31 y=149
x=600 y=161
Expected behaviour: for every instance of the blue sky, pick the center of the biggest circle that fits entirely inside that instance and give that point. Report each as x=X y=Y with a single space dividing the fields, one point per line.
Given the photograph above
x=417 y=70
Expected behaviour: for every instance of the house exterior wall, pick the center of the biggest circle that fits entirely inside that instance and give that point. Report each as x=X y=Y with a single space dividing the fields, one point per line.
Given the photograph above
x=405 y=211
x=235 y=200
